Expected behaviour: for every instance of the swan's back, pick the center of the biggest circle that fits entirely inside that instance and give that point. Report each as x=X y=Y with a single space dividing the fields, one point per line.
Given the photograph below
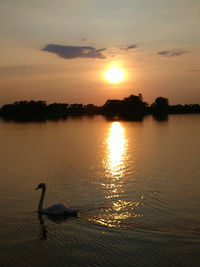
x=59 y=209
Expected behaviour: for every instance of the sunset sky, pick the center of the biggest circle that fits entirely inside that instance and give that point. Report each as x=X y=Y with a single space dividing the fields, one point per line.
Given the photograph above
x=60 y=50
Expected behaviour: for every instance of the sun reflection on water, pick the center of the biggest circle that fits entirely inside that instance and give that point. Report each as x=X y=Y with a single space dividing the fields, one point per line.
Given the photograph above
x=116 y=144
x=118 y=211
x=117 y=214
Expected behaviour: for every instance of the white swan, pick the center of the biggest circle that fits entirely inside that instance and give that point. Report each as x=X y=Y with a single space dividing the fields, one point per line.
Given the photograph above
x=57 y=209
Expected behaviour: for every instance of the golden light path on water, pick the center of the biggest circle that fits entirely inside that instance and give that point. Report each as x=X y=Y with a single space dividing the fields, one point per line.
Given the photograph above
x=116 y=143
x=115 y=162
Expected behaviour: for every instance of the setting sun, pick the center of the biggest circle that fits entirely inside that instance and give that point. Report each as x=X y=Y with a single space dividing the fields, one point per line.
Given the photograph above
x=114 y=75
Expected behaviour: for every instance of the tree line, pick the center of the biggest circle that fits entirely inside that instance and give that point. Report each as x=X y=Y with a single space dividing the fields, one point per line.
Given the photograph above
x=129 y=108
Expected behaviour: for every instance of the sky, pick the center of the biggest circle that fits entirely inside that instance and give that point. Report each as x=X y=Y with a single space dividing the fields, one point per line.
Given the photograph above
x=58 y=51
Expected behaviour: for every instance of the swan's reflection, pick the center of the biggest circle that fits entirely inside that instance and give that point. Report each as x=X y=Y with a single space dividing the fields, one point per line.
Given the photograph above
x=43 y=229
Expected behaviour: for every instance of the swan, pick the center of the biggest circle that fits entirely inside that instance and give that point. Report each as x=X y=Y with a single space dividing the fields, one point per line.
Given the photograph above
x=57 y=209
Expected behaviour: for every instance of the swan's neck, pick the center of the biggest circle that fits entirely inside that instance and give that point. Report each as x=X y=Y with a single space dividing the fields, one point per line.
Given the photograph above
x=41 y=199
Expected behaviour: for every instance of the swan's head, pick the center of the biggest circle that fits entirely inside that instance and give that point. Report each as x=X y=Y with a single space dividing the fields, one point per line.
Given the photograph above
x=42 y=185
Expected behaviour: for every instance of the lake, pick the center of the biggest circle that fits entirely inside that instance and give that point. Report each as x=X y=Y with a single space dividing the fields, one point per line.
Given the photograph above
x=136 y=184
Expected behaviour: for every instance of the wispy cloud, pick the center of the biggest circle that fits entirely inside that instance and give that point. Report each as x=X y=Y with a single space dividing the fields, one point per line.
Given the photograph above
x=120 y=51
x=172 y=53
x=130 y=47
x=70 y=52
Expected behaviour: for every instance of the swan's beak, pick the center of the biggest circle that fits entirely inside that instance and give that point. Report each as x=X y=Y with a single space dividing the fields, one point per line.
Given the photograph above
x=37 y=188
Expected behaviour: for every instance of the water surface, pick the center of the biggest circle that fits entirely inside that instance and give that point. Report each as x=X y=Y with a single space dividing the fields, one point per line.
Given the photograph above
x=136 y=185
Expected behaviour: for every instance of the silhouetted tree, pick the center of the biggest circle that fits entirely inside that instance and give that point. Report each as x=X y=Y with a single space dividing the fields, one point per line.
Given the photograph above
x=25 y=108
x=75 y=109
x=134 y=106
x=91 y=109
x=184 y=109
x=112 y=107
x=161 y=105
x=57 y=108
x=131 y=107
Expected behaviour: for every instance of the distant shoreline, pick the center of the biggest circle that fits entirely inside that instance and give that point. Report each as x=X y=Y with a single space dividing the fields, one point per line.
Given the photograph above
x=130 y=108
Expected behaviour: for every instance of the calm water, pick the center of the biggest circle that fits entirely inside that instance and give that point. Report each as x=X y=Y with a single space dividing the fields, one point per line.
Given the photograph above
x=136 y=184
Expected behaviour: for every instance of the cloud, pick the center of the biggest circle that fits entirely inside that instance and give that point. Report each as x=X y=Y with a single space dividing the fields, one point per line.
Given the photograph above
x=70 y=52
x=130 y=47
x=120 y=51
x=172 y=53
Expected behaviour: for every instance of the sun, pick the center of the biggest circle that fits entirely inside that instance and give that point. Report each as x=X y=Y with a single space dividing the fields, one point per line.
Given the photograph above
x=114 y=75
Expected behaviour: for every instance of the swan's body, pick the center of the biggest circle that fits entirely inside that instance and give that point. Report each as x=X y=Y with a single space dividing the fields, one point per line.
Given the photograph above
x=57 y=209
